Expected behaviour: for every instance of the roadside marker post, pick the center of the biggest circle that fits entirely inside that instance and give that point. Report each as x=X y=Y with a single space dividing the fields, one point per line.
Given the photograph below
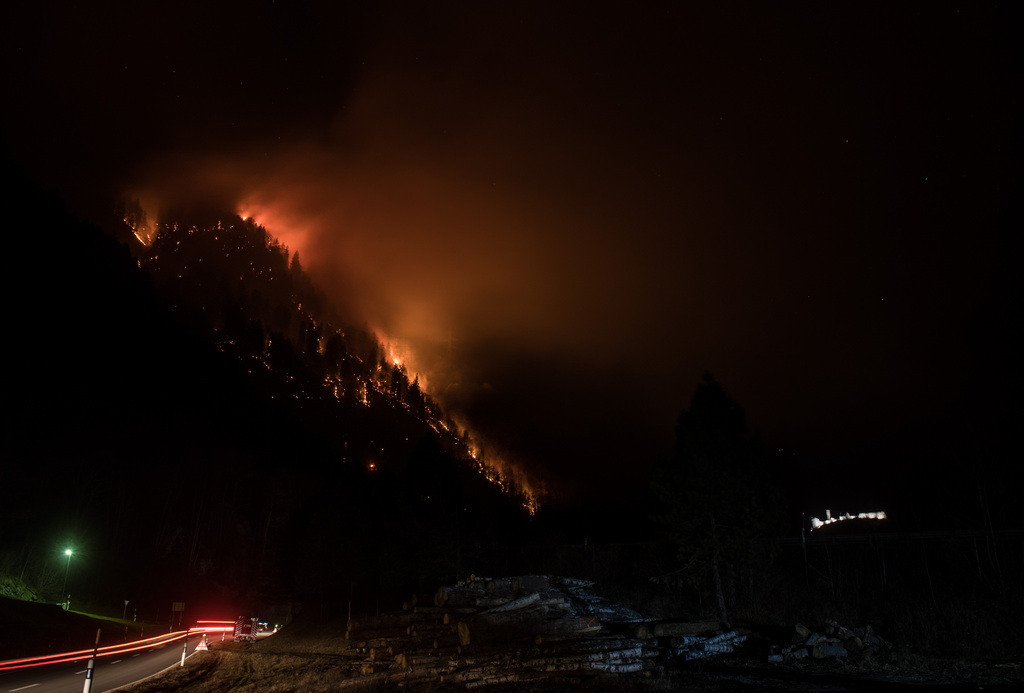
x=87 y=686
x=184 y=647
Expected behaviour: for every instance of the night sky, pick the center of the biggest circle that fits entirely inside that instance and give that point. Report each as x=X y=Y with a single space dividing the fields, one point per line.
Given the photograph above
x=561 y=214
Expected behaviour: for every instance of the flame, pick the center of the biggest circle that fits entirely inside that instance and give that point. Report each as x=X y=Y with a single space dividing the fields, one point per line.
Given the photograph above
x=145 y=233
x=289 y=231
x=394 y=349
x=502 y=472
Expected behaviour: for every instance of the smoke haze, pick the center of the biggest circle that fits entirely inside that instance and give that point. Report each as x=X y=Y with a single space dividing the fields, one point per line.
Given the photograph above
x=561 y=217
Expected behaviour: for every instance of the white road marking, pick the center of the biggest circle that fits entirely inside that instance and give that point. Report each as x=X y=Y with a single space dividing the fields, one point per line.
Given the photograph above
x=31 y=685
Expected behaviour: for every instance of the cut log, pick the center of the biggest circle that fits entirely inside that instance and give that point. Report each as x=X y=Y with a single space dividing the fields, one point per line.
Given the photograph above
x=576 y=626
x=727 y=636
x=704 y=653
x=531 y=583
x=627 y=654
x=449 y=641
x=488 y=631
x=669 y=630
x=502 y=627
x=642 y=630
x=591 y=645
x=483 y=676
x=463 y=630
x=514 y=604
x=429 y=630
x=492 y=680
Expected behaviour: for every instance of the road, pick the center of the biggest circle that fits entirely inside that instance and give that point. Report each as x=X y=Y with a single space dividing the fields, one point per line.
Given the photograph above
x=111 y=671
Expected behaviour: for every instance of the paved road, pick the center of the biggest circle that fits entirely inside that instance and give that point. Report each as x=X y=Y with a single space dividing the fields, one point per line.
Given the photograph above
x=111 y=671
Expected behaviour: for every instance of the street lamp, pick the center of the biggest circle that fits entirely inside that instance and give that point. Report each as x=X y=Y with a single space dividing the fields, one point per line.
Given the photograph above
x=67 y=552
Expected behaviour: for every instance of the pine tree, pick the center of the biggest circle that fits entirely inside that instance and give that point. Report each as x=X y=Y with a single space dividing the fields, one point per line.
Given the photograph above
x=715 y=492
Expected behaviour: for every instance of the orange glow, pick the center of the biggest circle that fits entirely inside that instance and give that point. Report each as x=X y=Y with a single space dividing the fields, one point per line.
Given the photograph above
x=397 y=352
x=503 y=473
x=283 y=219
x=289 y=231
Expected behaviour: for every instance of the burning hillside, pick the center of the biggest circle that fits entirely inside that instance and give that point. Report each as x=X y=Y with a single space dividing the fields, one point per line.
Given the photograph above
x=233 y=280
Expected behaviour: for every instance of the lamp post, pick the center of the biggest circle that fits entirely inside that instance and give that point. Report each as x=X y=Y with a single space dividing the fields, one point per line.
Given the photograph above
x=67 y=552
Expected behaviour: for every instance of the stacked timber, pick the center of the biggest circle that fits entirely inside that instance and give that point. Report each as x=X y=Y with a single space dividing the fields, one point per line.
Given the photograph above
x=830 y=641
x=485 y=631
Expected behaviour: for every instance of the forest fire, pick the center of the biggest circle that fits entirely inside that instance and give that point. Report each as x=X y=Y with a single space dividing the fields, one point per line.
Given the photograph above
x=297 y=328
x=289 y=232
x=505 y=475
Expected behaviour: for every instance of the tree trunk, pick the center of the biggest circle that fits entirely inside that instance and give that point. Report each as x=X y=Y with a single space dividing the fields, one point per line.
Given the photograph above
x=722 y=615
x=717 y=574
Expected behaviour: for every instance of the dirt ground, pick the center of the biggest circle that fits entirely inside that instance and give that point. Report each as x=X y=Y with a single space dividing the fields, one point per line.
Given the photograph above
x=318 y=658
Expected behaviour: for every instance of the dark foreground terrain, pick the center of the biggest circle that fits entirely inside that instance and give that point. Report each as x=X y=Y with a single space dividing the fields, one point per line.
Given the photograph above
x=319 y=658
x=543 y=632
x=484 y=636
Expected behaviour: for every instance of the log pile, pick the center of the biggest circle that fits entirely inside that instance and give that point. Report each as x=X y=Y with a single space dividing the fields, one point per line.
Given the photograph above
x=485 y=631
x=835 y=641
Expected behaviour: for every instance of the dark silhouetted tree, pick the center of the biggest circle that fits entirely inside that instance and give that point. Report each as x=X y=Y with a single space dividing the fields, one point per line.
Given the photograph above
x=414 y=398
x=281 y=353
x=398 y=382
x=716 y=494
x=334 y=353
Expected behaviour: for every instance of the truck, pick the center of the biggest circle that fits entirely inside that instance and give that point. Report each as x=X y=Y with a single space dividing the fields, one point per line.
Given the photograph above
x=246 y=629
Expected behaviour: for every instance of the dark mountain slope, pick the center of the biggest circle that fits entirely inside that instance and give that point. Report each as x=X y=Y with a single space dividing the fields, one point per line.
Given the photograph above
x=182 y=460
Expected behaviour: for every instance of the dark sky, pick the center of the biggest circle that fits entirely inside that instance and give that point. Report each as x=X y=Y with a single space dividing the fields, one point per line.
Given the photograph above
x=562 y=213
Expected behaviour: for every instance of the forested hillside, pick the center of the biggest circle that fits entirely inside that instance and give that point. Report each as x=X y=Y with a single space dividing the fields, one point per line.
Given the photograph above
x=196 y=420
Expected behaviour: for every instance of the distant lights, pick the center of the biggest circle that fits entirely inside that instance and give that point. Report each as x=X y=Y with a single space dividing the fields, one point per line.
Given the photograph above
x=816 y=523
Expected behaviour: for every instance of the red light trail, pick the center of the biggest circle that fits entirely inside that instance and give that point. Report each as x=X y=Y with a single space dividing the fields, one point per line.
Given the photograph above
x=43 y=660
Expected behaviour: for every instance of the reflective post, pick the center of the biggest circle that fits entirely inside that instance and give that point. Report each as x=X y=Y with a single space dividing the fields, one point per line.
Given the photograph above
x=184 y=648
x=92 y=664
